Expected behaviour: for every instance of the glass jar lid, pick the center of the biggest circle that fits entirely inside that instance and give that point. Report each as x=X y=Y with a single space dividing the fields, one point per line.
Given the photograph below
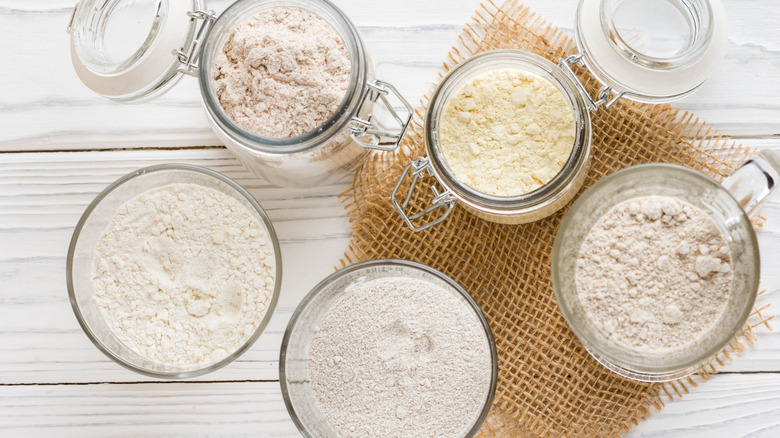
x=132 y=50
x=650 y=50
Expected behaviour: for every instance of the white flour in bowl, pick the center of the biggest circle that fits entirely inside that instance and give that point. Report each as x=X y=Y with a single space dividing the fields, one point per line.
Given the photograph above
x=183 y=274
x=400 y=357
x=282 y=73
x=654 y=274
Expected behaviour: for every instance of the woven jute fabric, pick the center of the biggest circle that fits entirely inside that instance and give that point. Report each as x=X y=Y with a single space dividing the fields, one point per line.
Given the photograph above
x=548 y=383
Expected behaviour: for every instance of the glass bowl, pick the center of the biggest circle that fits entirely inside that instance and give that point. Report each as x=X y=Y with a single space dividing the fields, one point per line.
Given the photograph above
x=87 y=234
x=293 y=360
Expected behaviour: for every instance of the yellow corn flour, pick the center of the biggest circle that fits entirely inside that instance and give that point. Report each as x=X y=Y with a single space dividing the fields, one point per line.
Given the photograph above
x=506 y=132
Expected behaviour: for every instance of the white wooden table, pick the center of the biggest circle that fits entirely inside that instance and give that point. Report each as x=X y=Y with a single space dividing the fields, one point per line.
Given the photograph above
x=60 y=145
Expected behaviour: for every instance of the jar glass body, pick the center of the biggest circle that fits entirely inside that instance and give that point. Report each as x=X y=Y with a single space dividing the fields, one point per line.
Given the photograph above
x=323 y=155
x=538 y=203
x=657 y=180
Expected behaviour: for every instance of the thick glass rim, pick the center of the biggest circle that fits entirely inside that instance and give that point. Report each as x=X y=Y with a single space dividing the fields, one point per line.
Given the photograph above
x=165 y=168
x=697 y=13
x=339 y=119
x=549 y=192
x=623 y=367
x=94 y=58
x=664 y=79
x=151 y=70
x=291 y=325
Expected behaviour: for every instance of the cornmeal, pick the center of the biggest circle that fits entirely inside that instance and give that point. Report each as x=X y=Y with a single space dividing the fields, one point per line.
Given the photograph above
x=507 y=132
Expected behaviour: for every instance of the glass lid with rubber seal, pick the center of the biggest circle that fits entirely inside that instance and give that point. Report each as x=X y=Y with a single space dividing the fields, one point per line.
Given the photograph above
x=135 y=50
x=649 y=51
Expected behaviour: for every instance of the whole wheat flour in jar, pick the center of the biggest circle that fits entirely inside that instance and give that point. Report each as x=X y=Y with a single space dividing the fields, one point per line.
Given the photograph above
x=183 y=274
x=507 y=132
x=400 y=357
x=654 y=274
x=282 y=73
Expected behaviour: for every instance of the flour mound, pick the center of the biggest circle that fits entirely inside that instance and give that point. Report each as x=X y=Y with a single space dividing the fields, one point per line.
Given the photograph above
x=507 y=132
x=183 y=274
x=654 y=274
x=399 y=357
x=282 y=73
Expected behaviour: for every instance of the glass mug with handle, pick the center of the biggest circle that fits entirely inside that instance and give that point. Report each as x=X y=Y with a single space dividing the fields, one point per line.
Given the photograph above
x=729 y=205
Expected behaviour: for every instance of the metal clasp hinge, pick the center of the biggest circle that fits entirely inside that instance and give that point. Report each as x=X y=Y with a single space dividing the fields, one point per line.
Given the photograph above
x=441 y=200
x=369 y=134
x=605 y=92
x=72 y=17
x=189 y=60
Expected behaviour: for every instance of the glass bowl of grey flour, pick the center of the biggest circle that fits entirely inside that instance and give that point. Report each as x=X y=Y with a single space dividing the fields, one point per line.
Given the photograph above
x=173 y=271
x=388 y=348
x=656 y=267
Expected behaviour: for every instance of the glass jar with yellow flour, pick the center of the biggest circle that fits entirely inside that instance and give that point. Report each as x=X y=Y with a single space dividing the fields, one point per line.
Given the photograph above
x=507 y=133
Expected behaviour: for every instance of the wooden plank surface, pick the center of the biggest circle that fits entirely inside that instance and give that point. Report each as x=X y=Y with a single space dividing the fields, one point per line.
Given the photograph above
x=57 y=112
x=43 y=195
x=732 y=406
x=53 y=382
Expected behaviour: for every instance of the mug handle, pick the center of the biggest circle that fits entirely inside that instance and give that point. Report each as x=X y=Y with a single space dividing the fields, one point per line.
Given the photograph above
x=755 y=180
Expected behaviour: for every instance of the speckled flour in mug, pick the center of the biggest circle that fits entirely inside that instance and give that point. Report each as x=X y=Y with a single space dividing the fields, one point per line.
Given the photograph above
x=654 y=274
x=400 y=357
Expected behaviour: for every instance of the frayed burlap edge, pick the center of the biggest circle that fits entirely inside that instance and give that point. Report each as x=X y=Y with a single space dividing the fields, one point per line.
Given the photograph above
x=367 y=203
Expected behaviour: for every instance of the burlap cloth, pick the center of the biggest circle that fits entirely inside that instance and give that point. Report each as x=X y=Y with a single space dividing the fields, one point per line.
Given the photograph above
x=548 y=384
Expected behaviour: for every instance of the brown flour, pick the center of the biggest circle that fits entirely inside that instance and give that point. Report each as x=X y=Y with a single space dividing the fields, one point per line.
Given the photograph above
x=400 y=357
x=283 y=73
x=654 y=274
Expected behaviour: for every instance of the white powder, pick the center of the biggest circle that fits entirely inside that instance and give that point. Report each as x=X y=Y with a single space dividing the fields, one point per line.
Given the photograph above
x=398 y=357
x=507 y=132
x=183 y=274
x=654 y=274
x=282 y=73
